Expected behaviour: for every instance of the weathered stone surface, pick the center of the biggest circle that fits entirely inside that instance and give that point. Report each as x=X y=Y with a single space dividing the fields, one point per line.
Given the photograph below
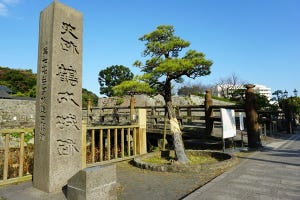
x=58 y=104
x=16 y=113
x=158 y=100
x=93 y=183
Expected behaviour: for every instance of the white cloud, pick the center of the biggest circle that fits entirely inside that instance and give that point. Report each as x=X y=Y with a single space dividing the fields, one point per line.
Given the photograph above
x=11 y=2
x=5 y=5
x=3 y=10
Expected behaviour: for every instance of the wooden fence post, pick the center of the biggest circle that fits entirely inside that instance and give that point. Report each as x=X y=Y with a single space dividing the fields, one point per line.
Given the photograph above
x=209 y=122
x=189 y=115
x=21 y=156
x=141 y=135
x=83 y=144
x=254 y=141
x=6 y=155
x=89 y=110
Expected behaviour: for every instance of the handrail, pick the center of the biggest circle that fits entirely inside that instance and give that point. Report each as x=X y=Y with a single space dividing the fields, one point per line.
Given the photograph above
x=114 y=143
x=5 y=176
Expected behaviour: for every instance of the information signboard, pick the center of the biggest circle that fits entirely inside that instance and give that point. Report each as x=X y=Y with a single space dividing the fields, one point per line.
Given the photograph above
x=228 y=123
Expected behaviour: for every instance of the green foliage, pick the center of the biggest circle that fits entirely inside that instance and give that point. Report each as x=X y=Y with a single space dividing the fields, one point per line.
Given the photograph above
x=279 y=95
x=164 y=64
x=291 y=103
x=112 y=76
x=262 y=103
x=119 y=101
x=132 y=87
x=88 y=95
x=223 y=99
x=27 y=136
x=21 y=82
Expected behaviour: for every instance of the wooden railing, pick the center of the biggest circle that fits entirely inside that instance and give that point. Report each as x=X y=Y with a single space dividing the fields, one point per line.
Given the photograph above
x=13 y=157
x=111 y=143
x=102 y=144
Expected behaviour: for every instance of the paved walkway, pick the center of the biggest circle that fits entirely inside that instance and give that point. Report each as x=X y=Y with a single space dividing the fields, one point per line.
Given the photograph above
x=273 y=173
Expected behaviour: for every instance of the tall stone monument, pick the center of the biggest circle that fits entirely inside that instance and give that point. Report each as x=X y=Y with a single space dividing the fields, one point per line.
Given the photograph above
x=58 y=140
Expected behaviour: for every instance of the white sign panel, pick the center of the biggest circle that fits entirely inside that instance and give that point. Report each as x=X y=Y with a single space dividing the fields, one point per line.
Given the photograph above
x=228 y=123
x=241 y=121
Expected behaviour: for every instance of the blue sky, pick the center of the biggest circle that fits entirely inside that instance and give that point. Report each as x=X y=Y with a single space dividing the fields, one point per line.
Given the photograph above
x=258 y=40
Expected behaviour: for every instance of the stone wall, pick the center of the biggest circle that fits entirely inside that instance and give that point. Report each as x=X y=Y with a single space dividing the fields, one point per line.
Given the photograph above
x=21 y=113
x=144 y=100
x=17 y=113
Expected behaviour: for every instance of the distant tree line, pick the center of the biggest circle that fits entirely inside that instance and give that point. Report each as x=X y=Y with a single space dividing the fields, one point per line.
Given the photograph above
x=22 y=83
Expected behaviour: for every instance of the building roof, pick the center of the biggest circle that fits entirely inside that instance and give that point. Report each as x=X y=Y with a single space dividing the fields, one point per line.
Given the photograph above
x=6 y=89
x=4 y=95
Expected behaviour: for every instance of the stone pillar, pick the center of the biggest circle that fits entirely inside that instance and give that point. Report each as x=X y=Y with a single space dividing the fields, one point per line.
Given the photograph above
x=254 y=141
x=209 y=122
x=58 y=137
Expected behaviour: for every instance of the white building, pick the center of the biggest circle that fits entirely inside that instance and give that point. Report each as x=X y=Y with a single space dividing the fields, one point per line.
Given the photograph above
x=226 y=90
x=263 y=90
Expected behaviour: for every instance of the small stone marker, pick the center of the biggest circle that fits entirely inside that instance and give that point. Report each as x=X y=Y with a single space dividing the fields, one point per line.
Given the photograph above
x=99 y=182
x=58 y=140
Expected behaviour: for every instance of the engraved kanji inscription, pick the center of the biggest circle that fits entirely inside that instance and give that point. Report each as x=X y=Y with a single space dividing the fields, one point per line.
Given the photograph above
x=67 y=74
x=66 y=97
x=66 y=147
x=65 y=121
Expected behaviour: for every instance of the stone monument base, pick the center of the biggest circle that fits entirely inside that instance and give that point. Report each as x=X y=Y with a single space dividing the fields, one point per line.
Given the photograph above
x=93 y=183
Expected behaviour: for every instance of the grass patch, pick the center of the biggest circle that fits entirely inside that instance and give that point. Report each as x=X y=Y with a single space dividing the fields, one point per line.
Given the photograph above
x=201 y=159
x=194 y=159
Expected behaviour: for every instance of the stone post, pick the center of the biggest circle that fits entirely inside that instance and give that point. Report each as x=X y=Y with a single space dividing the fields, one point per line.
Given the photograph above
x=58 y=137
x=254 y=141
x=209 y=122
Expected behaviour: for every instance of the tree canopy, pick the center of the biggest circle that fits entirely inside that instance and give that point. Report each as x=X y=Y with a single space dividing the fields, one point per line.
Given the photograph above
x=132 y=87
x=21 y=82
x=86 y=95
x=165 y=65
x=112 y=76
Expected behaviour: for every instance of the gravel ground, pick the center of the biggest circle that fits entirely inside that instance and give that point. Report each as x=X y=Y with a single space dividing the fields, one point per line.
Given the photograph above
x=136 y=184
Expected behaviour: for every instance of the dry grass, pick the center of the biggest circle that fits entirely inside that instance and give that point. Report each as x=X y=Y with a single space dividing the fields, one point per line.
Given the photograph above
x=194 y=159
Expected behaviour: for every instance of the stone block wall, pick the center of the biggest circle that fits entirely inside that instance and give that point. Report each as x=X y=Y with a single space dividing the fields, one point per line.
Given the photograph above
x=16 y=113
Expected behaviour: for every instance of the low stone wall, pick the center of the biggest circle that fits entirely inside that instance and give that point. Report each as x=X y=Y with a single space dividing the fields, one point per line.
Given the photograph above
x=16 y=113
x=225 y=161
x=144 y=100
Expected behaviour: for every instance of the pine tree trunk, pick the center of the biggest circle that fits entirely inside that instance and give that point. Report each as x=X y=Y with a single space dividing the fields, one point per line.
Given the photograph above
x=177 y=135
